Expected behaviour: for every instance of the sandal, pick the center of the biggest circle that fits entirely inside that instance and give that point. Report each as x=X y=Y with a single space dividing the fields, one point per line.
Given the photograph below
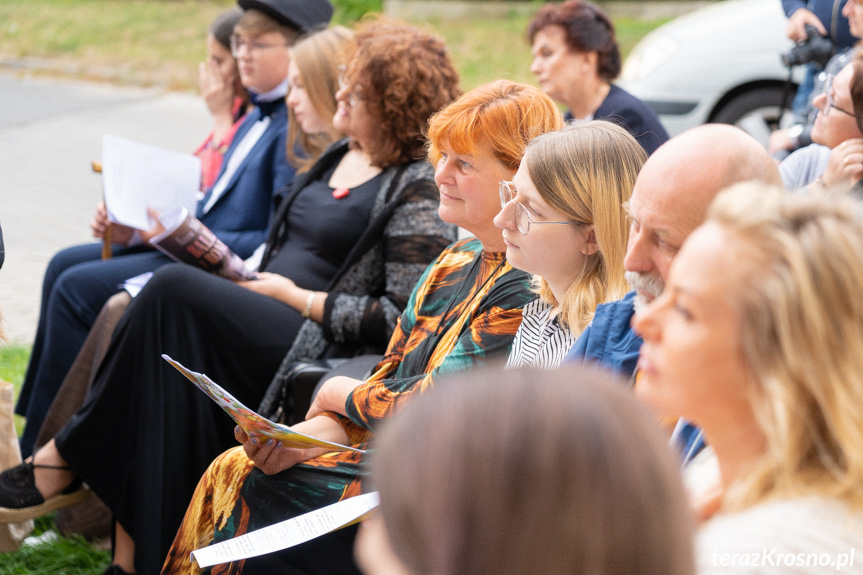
x=20 y=500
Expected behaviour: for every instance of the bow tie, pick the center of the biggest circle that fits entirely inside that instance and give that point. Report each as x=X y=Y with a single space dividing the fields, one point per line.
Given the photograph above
x=267 y=108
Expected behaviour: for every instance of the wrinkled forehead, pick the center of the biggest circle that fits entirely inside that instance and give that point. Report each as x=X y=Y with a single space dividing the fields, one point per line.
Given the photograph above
x=666 y=207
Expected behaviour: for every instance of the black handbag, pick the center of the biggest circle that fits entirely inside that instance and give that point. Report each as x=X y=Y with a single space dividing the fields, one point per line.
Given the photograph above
x=302 y=380
x=297 y=389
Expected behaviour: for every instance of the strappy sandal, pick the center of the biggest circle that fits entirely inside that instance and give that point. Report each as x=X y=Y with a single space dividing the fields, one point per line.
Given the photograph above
x=20 y=500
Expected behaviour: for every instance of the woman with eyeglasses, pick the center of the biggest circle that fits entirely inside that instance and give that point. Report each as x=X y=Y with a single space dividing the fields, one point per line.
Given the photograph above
x=835 y=159
x=349 y=241
x=78 y=281
x=563 y=220
x=757 y=339
x=465 y=310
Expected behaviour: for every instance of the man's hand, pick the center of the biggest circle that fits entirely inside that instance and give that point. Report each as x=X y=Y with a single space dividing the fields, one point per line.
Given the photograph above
x=120 y=234
x=779 y=142
x=797 y=24
x=157 y=229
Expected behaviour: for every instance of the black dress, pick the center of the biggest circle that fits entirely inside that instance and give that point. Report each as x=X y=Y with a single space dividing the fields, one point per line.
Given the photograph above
x=145 y=434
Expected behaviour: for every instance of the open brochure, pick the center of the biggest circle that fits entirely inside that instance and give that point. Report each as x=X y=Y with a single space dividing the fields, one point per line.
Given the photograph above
x=251 y=422
x=136 y=176
x=188 y=241
x=288 y=533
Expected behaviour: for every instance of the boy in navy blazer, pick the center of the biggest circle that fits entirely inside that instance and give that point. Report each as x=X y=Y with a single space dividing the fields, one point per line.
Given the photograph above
x=237 y=208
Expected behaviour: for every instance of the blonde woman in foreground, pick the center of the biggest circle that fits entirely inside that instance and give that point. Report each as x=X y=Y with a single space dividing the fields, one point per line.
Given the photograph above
x=757 y=339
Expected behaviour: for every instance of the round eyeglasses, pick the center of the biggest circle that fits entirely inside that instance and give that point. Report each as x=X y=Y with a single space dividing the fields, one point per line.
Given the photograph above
x=238 y=43
x=523 y=220
x=354 y=97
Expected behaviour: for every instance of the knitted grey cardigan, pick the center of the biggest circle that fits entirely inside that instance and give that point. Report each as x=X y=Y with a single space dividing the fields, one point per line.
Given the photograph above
x=371 y=288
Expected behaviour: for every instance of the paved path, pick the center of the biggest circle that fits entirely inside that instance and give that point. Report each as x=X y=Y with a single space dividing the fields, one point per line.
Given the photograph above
x=49 y=132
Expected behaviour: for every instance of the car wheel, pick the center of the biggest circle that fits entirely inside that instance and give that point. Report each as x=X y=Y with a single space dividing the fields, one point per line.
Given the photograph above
x=757 y=112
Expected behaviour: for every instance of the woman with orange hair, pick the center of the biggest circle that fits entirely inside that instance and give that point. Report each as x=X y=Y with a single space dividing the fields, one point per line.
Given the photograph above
x=347 y=246
x=465 y=309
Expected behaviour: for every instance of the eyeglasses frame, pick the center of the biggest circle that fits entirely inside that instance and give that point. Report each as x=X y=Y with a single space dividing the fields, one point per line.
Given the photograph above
x=353 y=98
x=508 y=194
x=830 y=102
x=237 y=43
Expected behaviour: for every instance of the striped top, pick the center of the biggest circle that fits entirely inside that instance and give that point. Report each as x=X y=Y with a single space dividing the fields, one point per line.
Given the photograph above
x=540 y=341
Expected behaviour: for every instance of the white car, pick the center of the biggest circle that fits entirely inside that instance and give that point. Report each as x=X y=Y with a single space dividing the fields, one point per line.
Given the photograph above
x=720 y=63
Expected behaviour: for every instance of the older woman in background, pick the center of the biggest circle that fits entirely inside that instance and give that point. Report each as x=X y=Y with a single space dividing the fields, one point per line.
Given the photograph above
x=575 y=60
x=513 y=472
x=757 y=340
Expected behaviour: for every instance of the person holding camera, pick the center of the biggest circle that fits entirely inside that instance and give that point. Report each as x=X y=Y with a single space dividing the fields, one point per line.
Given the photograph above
x=825 y=35
x=826 y=18
x=836 y=157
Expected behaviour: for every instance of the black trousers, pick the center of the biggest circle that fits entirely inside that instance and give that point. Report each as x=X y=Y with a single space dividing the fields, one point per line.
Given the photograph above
x=146 y=434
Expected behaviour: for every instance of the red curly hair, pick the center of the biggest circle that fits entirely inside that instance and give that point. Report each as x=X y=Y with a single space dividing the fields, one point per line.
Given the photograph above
x=405 y=75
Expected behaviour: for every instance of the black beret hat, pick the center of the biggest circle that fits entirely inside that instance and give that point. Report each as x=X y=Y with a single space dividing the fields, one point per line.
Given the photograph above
x=302 y=15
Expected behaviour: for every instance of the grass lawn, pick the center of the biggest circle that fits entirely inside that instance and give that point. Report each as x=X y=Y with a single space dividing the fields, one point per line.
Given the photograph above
x=159 y=43
x=73 y=556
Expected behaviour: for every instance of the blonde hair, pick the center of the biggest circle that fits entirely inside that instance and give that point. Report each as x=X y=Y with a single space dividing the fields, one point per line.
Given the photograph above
x=317 y=57
x=586 y=171
x=802 y=338
x=502 y=116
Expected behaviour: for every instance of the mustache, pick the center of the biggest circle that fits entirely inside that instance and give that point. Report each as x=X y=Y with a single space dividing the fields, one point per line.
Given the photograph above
x=647 y=288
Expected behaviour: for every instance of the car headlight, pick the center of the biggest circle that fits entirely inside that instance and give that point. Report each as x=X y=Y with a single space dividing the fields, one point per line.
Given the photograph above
x=651 y=53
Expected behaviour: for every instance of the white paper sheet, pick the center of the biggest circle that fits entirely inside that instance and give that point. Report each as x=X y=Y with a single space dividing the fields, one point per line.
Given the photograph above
x=136 y=284
x=136 y=175
x=288 y=533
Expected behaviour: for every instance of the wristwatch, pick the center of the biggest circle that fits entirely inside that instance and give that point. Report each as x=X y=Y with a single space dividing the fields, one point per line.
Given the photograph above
x=794 y=133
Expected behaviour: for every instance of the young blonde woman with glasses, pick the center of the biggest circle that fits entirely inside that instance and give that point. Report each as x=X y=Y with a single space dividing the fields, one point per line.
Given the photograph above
x=563 y=220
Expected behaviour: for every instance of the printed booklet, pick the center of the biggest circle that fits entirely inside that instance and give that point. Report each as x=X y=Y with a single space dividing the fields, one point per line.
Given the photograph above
x=248 y=420
x=188 y=241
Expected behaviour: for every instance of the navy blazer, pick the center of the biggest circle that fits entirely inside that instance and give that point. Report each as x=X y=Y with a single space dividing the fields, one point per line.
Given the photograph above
x=638 y=118
x=241 y=216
